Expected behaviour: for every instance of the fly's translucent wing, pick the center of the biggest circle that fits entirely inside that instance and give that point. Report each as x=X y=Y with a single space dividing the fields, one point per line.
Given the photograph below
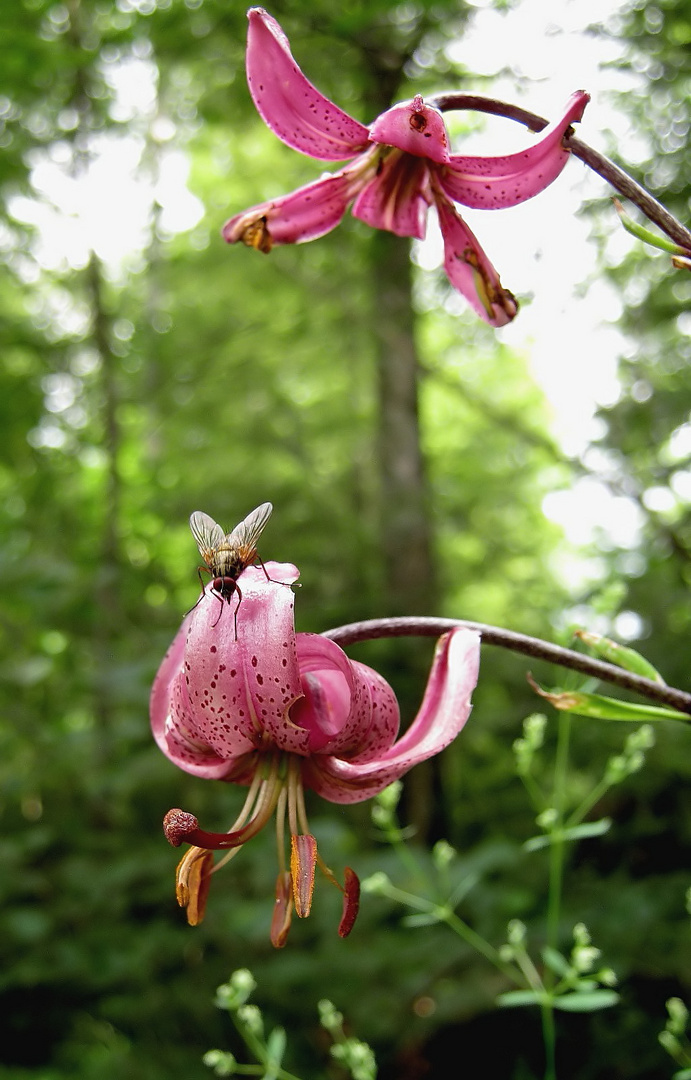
x=246 y=534
x=206 y=532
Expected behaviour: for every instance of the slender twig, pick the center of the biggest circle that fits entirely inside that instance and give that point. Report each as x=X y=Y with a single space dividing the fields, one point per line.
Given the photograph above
x=428 y=626
x=600 y=164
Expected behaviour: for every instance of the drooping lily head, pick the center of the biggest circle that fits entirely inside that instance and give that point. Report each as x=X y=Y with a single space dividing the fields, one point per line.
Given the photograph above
x=400 y=166
x=280 y=712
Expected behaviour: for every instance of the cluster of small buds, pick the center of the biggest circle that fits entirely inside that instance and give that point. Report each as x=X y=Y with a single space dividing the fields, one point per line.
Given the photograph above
x=222 y=1062
x=516 y=933
x=533 y=738
x=353 y=1054
x=583 y=954
x=251 y=1017
x=632 y=757
x=233 y=994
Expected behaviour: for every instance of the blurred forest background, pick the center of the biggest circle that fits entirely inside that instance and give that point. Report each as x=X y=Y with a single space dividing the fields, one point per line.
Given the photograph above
x=171 y=373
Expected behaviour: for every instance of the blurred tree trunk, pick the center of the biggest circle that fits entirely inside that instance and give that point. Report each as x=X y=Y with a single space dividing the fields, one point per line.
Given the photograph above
x=406 y=530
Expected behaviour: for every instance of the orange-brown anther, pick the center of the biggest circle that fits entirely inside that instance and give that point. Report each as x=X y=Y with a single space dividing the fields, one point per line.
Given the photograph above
x=351 y=902
x=193 y=880
x=283 y=910
x=257 y=236
x=303 y=860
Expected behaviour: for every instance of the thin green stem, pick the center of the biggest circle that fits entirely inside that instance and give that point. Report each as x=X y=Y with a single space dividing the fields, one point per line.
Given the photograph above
x=549 y=1038
x=535 y=794
x=256 y=1047
x=403 y=850
x=556 y=848
x=590 y=800
x=472 y=938
x=556 y=873
x=465 y=932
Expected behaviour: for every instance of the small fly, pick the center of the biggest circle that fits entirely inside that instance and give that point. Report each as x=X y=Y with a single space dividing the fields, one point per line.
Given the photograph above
x=226 y=555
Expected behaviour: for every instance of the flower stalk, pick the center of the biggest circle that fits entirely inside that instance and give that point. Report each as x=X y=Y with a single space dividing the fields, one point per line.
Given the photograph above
x=424 y=626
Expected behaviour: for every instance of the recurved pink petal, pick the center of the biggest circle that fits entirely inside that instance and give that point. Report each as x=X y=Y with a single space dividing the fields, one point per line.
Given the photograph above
x=168 y=709
x=398 y=197
x=288 y=102
x=304 y=214
x=347 y=707
x=490 y=183
x=444 y=711
x=470 y=271
x=415 y=128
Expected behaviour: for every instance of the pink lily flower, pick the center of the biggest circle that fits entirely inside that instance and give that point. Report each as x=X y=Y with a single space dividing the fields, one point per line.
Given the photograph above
x=401 y=165
x=279 y=712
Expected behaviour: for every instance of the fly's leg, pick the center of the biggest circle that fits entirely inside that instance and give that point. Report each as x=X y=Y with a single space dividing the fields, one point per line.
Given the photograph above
x=297 y=584
x=220 y=598
x=201 y=582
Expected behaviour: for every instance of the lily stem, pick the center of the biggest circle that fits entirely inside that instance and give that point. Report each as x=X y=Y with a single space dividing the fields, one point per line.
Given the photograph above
x=429 y=626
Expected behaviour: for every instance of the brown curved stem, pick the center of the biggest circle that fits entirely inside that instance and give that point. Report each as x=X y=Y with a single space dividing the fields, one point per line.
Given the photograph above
x=413 y=626
x=600 y=164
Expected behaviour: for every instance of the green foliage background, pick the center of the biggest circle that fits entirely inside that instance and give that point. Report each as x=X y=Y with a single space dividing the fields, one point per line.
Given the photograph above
x=202 y=377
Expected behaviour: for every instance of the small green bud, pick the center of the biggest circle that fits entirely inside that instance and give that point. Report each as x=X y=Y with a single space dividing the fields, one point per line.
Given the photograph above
x=669 y=1042
x=381 y=815
x=616 y=769
x=243 y=981
x=548 y=819
x=534 y=730
x=583 y=957
x=221 y=1061
x=251 y=1016
x=329 y=1016
x=443 y=854
x=641 y=739
x=516 y=932
x=390 y=797
x=533 y=738
x=581 y=934
x=678 y=1016
x=376 y=883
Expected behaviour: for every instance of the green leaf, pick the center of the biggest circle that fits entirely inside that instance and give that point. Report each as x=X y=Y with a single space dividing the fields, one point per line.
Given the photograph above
x=423 y=918
x=575 y=832
x=646 y=235
x=621 y=655
x=556 y=961
x=586 y=1001
x=462 y=889
x=275 y=1046
x=515 y=998
x=604 y=708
